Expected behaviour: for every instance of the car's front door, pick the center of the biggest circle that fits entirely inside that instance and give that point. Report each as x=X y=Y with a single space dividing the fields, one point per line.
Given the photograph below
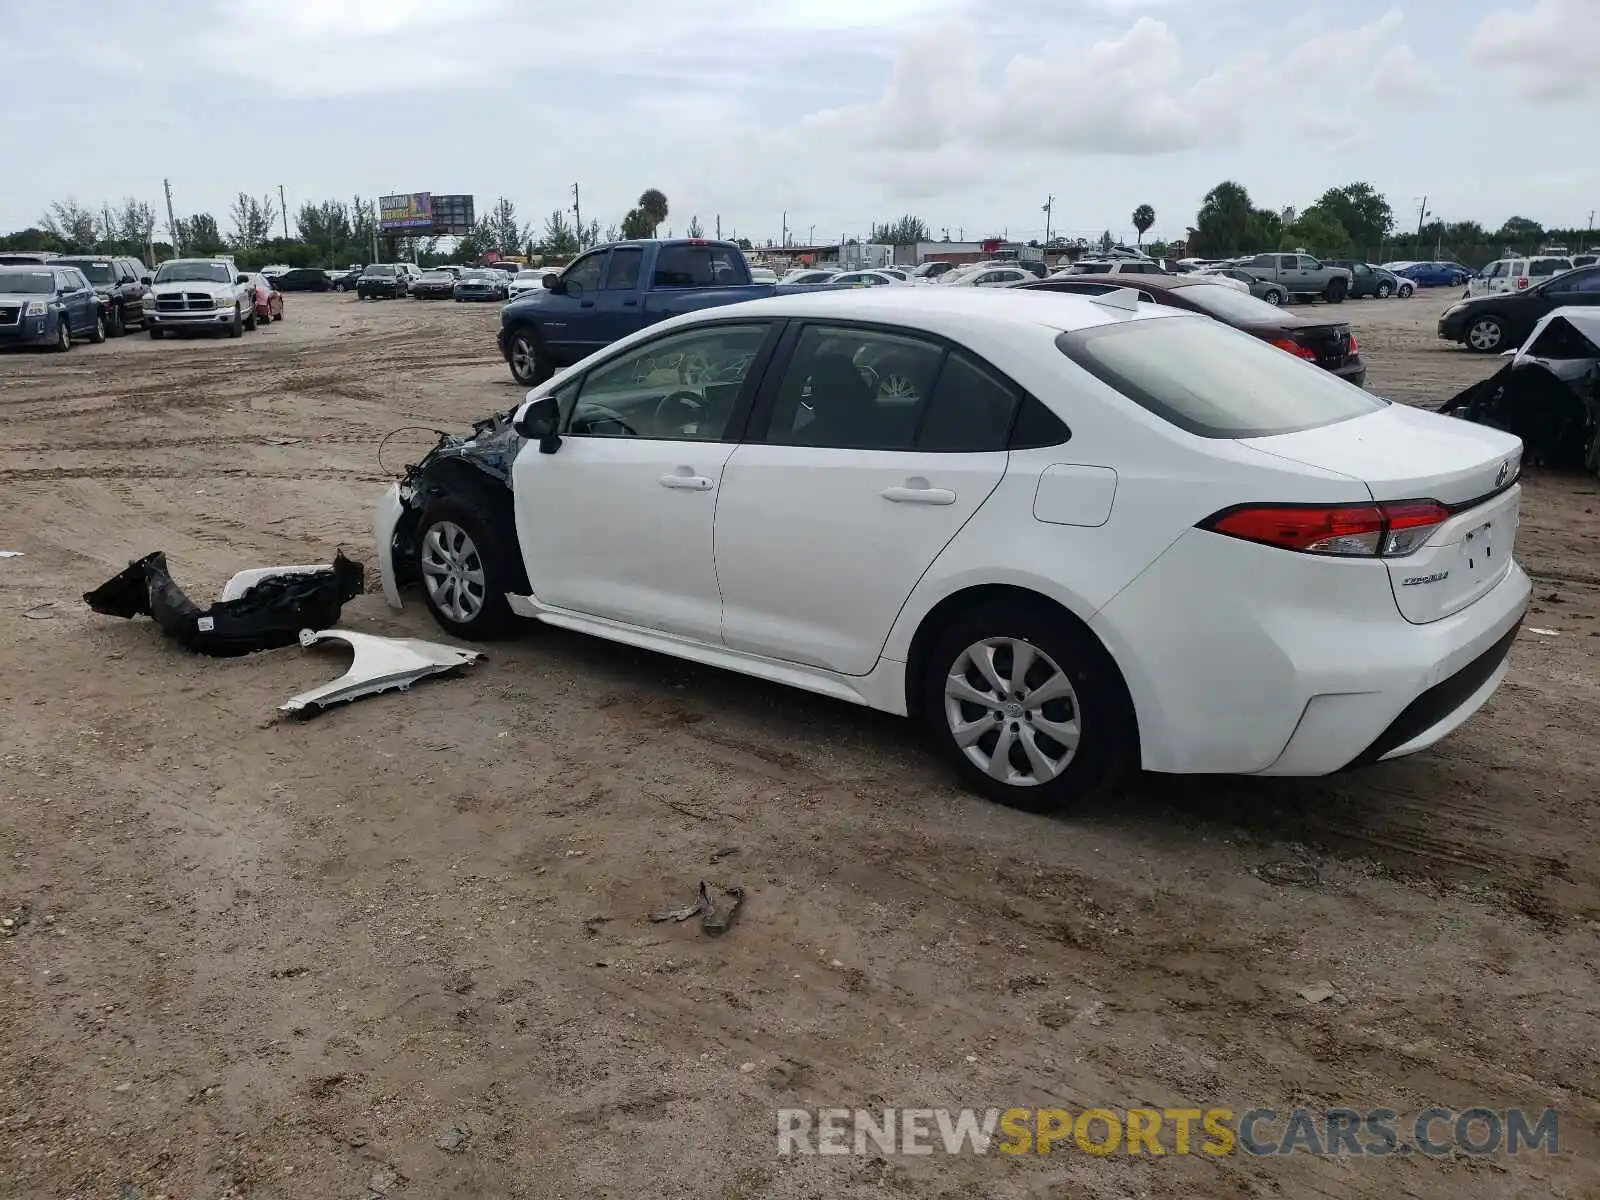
x=78 y=302
x=617 y=523
x=869 y=450
x=570 y=340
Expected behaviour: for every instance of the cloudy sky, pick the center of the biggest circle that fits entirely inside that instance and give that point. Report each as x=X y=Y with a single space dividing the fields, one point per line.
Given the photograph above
x=965 y=112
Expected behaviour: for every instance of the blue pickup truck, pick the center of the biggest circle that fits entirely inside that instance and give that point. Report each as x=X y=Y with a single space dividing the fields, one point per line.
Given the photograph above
x=612 y=291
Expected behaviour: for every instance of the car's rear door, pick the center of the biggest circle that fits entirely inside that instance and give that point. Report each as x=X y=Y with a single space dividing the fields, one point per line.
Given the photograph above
x=870 y=448
x=617 y=311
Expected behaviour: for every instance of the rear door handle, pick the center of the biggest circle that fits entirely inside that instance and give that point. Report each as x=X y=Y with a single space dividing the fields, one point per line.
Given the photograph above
x=687 y=483
x=586 y=304
x=923 y=495
x=630 y=304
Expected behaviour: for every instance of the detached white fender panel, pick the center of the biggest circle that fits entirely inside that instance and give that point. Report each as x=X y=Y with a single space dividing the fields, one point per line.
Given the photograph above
x=385 y=519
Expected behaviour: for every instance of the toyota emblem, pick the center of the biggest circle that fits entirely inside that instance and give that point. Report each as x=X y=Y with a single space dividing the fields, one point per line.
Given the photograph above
x=1500 y=478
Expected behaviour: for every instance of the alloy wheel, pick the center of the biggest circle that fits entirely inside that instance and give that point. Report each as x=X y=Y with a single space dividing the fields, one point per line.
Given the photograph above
x=522 y=357
x=452 y=571
x=1012 y=711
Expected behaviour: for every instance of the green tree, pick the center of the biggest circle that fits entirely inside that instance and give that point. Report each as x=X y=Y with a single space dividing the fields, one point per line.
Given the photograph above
x=1317 y=231
x=1143 y=217
x=907 y=231
x=1106 y=241
x=1361 y=211
x=72 y=224
x=559 y=240
x=135 y=224
x=743 y=243
x=200 y=235
x=32 y=238
x=252 y=220
x=613 y=234
x=501 y=230
x=1223 y=223
x=694 y=230
x=1520 y=231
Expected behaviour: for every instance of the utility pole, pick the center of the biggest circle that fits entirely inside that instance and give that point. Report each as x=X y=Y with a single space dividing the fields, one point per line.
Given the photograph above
x=283 y=211
x=577 y=214
x=1587 y=231
x=374 y=231
x=1049 y=208
x=719 y=227
x=172 y=221
x=1422 y=213
x=783 y=239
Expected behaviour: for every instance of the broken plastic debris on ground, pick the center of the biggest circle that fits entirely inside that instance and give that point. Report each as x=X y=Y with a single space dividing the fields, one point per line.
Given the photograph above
x=267 y=610
x=381 y=664
x=715 y=906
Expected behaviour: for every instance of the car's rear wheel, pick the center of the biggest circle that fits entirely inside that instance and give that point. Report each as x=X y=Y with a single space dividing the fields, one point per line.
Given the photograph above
x=1028 y=706
x=466 y=561
x=1485 y=334
x=1334 y=293
x=529 y=363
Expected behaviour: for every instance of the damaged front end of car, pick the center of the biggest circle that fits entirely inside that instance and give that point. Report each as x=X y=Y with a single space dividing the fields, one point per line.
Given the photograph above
x=1548 y=394
x=480 y=461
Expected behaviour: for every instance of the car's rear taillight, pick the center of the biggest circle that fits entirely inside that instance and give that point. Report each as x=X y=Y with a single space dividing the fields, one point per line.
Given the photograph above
x=1389 y=530
x=1295 y=348
x=1355 y=346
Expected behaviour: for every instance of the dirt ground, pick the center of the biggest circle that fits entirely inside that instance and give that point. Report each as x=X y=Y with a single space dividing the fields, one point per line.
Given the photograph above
x=262 y=959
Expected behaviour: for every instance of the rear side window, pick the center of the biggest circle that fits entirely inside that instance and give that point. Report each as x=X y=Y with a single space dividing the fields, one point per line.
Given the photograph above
x=970 y=409
x=698 y=266
x=1549 y=267
x=1211 y=380
x=623 y=274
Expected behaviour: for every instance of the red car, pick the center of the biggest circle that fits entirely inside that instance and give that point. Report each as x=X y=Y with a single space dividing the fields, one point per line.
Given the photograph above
x=269 y=300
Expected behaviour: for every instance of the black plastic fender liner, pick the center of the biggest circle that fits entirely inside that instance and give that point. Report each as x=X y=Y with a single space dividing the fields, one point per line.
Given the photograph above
x=269 y=615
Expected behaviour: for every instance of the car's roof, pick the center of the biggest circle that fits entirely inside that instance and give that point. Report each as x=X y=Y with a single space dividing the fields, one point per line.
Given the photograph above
x=940 y=311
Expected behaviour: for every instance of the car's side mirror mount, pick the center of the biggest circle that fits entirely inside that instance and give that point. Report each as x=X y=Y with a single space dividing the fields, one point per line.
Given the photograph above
x=552 y=283
x=241 y=279
x=146 y=280
x=539 y=422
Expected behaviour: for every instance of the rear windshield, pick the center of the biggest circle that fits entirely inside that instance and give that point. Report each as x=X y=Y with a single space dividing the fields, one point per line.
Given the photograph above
x=98 y=272
x=1212 y=380
x=1229 y=304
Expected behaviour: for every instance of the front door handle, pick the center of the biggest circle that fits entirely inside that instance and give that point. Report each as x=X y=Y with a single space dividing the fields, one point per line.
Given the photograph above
x=630 y=304
x=686 y=483
x=586 y=304
x=919 y=495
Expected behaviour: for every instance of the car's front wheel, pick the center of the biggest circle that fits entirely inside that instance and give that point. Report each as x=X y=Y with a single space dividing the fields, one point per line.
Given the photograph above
x=1274 y=297
x=1406 y=291
x=1383 y=291
x=97 y=335
x=115 y=327
x=530 y=365
x=467 y=560
x=1028 y=706
x=63 y=341
x=1485 y=334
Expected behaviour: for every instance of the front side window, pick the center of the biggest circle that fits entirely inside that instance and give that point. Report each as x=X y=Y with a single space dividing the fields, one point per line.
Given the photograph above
x=680 y=388
x=586 y=271
x=1212 y=380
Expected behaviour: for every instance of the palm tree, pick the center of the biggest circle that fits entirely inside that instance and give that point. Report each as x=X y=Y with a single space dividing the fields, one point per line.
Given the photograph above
x=1143 y=217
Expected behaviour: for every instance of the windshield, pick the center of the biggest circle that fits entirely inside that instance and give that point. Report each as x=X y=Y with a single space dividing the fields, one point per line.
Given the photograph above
x=478 y=275
x=532 y=275
x=98 y=272
x=1229 y=304
x=438 y=276
x=193 y=272
x=32 y=283
x=379 y=269
x=1212 y=380
x=957 y=276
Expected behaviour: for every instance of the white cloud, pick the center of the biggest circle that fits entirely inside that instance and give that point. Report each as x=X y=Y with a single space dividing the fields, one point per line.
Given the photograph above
x=1550 y=52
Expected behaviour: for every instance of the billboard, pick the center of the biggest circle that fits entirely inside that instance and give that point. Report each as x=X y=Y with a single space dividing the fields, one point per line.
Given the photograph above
x=410 y=210
x=453 y=214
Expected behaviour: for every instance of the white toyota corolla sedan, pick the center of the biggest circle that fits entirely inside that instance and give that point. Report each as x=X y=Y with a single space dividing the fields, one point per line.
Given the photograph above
x=1069 y=536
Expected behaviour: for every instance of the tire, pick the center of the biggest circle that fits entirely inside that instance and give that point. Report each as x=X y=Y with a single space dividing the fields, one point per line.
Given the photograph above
x=1095 y=705
x=237 y=328
x=118 y=325
x=1485 y=334
x=1407 y=291
x=1383 y=291
x=155 y=333
x=1336 y=291
x=458 y=538
x=278 y=316
x=97 y=335
x=1275 y=297
x=252 y=320
x=530 y=365
x=63 y=341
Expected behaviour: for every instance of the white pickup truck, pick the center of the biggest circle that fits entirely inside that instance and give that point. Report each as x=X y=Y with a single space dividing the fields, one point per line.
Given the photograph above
x=200 y=293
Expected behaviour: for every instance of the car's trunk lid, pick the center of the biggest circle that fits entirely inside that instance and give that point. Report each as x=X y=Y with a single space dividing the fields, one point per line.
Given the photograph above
x=1401 y=453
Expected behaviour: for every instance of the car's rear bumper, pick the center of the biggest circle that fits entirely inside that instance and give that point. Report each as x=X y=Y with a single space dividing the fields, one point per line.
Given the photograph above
x=1302 y=671
x=1353 y=371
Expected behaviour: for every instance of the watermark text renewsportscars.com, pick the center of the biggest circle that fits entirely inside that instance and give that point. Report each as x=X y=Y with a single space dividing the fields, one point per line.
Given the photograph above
x=1260 y=1132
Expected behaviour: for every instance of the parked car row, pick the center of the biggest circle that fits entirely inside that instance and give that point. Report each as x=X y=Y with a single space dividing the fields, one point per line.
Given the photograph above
x=1491 y=322
x=49 y=304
